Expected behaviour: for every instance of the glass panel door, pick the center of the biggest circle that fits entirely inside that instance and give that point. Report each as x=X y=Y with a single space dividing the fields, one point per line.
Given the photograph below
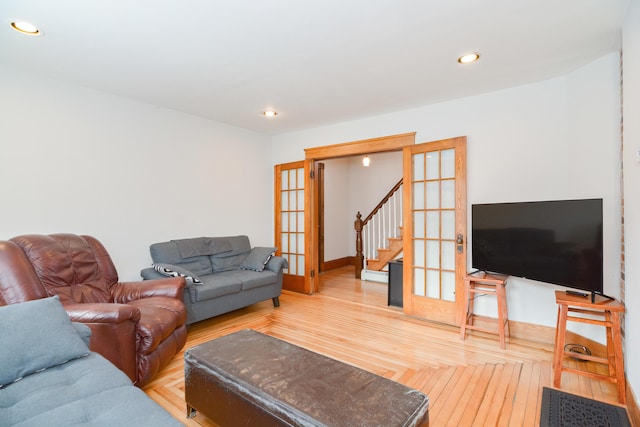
x=290 y=222
x=435 y=226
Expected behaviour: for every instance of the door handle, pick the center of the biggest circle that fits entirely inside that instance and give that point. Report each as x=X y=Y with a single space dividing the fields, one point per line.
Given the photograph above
x=460 y=243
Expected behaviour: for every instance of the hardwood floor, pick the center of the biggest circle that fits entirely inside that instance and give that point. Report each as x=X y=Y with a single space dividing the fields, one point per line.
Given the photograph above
x=469 y=383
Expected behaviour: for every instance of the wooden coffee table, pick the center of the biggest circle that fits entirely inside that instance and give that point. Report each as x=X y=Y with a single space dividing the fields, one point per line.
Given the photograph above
x=249 y=378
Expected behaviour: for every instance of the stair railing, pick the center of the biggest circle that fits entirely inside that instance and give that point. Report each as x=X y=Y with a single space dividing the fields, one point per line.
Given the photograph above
x=383 y=222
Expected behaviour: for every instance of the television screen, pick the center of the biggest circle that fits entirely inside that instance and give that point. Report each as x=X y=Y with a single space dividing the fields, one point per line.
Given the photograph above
x=558 y=242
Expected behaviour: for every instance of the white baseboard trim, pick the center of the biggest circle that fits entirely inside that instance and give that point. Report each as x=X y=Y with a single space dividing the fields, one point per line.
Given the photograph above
x=375 y=276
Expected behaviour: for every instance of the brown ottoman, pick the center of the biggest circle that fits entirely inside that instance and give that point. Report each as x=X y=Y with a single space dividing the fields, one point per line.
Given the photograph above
x=251 y=379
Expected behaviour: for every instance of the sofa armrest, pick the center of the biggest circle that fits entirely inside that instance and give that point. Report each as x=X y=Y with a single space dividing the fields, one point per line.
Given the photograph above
x=113 y=332
x=151 y=273
x=172 y=287
x=277 y=263
x=102 y=313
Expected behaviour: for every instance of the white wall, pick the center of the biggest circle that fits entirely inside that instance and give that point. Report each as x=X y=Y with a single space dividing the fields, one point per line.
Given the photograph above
x=631 y=70
x=79 y=161
x=336 y=209
x=554 y=139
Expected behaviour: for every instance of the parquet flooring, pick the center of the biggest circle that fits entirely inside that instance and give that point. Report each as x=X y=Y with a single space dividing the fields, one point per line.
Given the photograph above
x=469 y=383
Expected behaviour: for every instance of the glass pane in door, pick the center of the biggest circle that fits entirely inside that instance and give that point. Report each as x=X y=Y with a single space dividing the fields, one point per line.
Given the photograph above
x=433 y=233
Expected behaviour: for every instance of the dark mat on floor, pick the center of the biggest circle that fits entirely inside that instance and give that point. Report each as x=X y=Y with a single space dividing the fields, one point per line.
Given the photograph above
x=560 y=409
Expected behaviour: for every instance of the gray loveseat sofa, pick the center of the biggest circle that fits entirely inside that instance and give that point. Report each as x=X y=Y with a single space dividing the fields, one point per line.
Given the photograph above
x=49 y=377
x=222 y=273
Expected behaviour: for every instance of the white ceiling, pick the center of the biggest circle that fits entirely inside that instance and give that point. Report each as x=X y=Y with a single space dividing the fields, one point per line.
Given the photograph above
x=316 y=62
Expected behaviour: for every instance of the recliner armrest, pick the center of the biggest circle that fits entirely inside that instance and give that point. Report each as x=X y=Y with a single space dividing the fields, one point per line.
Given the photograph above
x=113 y=331
x=172 y=287
x=102 y=313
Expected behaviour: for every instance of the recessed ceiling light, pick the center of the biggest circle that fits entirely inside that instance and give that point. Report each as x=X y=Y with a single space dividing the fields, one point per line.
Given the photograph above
x=270 y=113
x=469 y=57
x=26 y=28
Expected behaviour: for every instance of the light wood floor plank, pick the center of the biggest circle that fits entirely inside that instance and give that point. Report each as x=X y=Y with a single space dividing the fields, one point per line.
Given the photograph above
x=452 y=405
x=445 y=405
x=500 y=397
x=531 y=407
x=474 y=402
x=471 y=382
x=514 y=414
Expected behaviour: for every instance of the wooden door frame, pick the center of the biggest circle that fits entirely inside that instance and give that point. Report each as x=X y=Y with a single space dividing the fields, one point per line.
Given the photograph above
x=312 y=155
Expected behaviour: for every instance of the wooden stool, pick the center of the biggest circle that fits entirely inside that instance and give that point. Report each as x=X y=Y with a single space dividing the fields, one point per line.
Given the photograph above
x=486 y=284
x=602 y=312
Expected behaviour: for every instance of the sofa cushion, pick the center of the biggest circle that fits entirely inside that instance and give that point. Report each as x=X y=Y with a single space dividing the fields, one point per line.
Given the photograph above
x=252 y=279
x=257 y=258
x=171 y=270
x=83 y=331
x=167 y=253
x=188 y=248
x=36 y=335
x=84 y=391
x=198 y=265
x=230 y=260
x=227 y=263
x=216 y=285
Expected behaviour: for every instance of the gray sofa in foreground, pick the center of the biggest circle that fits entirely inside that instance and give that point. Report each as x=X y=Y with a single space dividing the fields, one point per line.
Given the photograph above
x=222 y=273
x=49 y=377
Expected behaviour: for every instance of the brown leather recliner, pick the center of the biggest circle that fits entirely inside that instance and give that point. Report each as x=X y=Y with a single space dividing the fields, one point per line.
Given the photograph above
x=138 y=326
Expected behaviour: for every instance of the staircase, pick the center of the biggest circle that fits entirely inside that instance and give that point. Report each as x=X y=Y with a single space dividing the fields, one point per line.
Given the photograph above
x=394 y=247
x=379 y=237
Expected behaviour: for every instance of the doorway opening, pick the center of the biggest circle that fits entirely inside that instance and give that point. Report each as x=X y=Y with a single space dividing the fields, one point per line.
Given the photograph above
x=352 y=150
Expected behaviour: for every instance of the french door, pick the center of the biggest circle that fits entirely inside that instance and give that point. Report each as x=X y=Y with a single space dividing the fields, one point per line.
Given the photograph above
x=435 y=222
x=292 y=213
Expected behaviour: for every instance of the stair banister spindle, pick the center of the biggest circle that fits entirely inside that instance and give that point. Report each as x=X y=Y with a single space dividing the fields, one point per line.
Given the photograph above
x=374 y=235
x=390 y=219
x=378 y=236
x=365 y=241
x=381 y=229
x=383 y=226
x=395 y=216
x=369 y=235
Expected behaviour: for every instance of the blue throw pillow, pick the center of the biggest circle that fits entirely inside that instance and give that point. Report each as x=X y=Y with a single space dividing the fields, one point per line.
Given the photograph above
x=257 y=259
x=36 y=335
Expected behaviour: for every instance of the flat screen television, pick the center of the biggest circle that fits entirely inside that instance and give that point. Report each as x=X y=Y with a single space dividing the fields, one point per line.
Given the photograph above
x=558 y=242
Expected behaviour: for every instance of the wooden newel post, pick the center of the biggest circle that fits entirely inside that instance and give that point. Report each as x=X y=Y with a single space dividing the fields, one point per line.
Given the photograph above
x=359 y=258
